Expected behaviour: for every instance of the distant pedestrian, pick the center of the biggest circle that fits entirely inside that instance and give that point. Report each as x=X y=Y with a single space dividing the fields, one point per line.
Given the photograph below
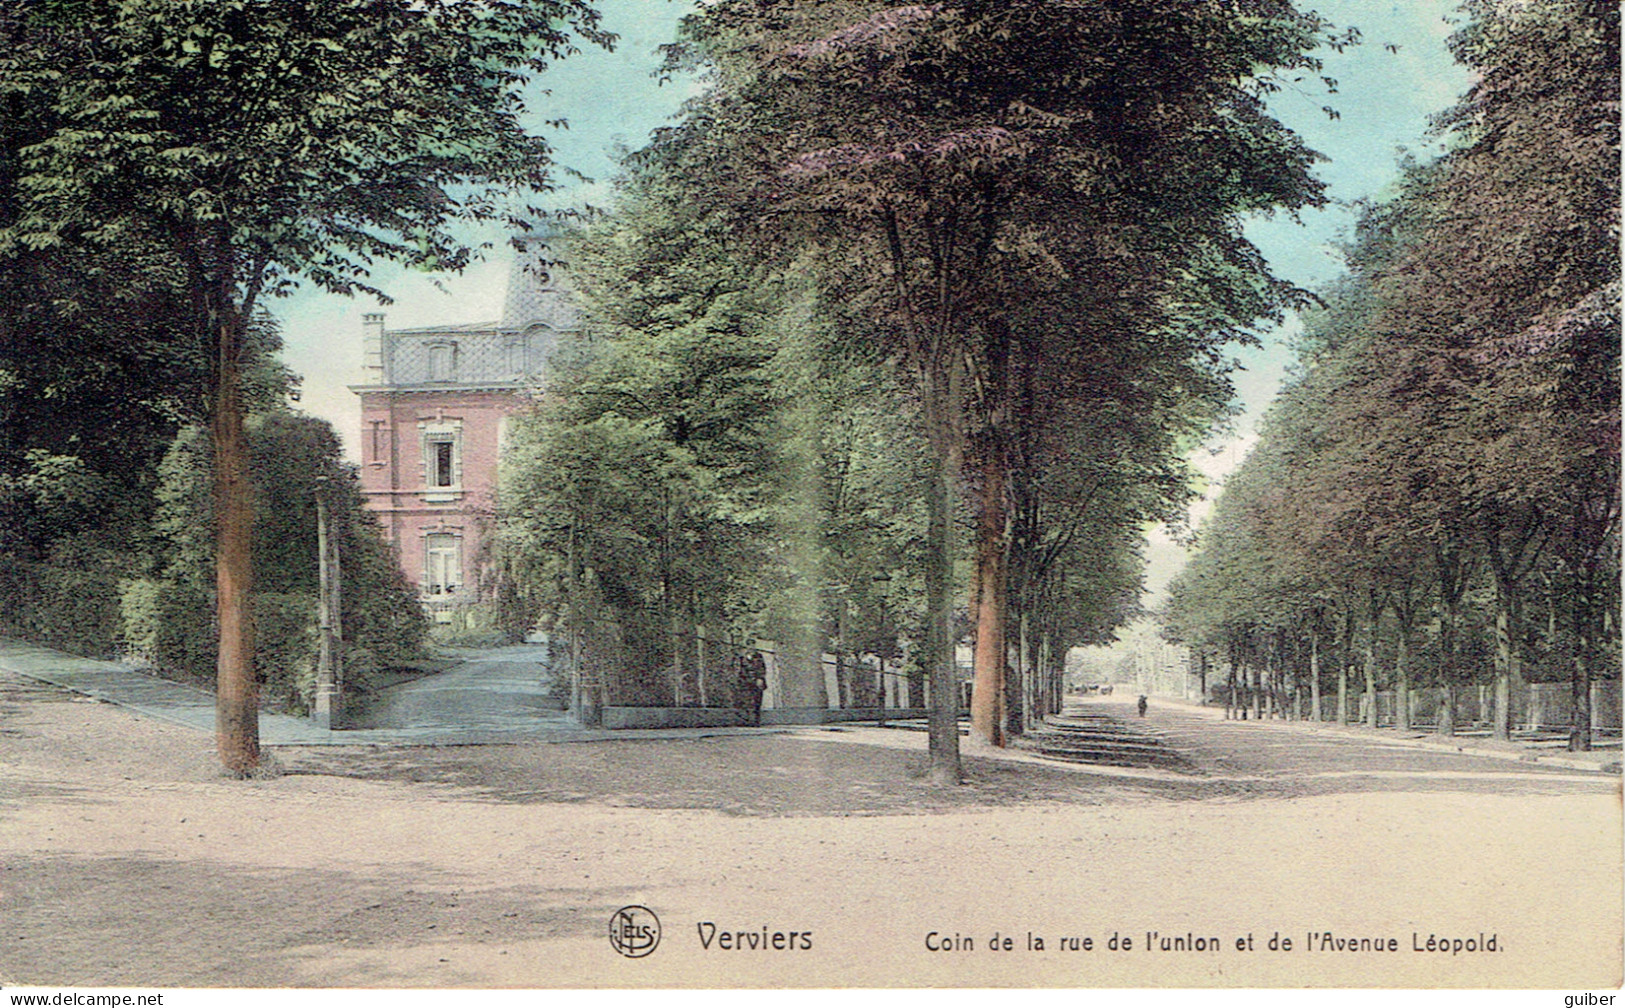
x=752 y=684
x=1142 y=706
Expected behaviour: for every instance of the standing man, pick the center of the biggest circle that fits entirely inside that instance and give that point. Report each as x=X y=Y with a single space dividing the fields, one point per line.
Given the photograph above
x=752 y=684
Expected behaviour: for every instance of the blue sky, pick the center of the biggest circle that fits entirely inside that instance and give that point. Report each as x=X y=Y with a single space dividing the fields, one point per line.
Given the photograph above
x=1385 y=99
x=610 y=99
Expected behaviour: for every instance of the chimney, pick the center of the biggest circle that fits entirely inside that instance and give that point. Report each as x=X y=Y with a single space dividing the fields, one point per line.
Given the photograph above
x=372 y=348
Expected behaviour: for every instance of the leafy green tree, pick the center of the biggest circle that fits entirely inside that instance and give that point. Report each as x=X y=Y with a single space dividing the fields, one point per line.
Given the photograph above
x=242 y=148
x=639 y=493
x=709 y=460
x=167 y=617
x=87 y=406
x=1547 y=338
x=1003 y=163
x=1457 y=435
x=1094 y=465
x=1508 y=313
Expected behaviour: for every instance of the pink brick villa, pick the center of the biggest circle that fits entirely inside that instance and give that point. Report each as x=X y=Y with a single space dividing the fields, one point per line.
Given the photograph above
x=435 y=407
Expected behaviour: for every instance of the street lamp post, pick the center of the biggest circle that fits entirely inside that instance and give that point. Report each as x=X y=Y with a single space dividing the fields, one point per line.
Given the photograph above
x=328 y=657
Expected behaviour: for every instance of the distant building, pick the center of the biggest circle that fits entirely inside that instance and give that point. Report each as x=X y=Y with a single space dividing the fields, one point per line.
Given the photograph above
x=435 y=409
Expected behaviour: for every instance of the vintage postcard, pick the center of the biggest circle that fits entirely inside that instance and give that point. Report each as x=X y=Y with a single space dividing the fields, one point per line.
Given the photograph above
x=804 y=494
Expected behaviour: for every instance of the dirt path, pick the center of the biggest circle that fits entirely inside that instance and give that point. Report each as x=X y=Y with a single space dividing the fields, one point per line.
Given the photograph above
x=126 y=860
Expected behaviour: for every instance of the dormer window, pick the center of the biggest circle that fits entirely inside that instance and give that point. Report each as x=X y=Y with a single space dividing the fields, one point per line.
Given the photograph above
x=442 y=362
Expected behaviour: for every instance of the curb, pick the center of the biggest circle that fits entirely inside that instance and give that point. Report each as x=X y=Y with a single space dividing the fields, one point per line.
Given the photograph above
x=280 y=731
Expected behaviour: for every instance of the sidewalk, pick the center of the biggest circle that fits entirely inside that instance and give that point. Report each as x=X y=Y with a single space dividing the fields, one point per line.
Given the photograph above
x=1606 y=760
x=191 y=707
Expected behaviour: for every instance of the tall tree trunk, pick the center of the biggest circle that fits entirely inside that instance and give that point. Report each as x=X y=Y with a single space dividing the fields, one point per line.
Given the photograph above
x=701 y=657
x=1232 y=697
x=1267 y=680
x=1046 y=676
x=668 y=602
x=1024 y=672
x=1345 y=653
x=1447 y=656
x=1283 y=678
x=674 y=649
x=987 y=711
x=1580 y=680
x=991 y=707
x=237 y=701
x=1374 y=608
x=1371 y=680
x=938 y=645
x=1580 y=726
x=688 y=650
x=572 y=620
x=1057 y=660
x=1501 y=719
x=845 y=659
x=1314 y=675
x=1402 y=684
x=1258 y=693
x=914 y=681
x=1511 y=544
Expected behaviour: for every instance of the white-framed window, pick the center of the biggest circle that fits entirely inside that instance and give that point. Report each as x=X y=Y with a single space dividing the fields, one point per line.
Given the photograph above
x=442 y=564
x=442 y=362
x=378 y=440
x=442 y=462
x=442 y=456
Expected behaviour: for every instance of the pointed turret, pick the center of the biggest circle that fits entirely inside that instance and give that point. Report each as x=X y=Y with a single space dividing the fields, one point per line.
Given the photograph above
x=538 y=285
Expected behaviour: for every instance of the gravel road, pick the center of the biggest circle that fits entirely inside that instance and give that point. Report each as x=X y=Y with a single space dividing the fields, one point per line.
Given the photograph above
x=125 y=859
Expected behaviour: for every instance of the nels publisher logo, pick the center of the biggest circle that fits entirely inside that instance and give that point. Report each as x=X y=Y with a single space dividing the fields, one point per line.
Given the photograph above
x=634 y=931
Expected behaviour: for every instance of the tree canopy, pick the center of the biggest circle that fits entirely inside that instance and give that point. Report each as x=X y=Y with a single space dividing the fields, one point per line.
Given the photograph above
x=1453 y=435
x=234 y=149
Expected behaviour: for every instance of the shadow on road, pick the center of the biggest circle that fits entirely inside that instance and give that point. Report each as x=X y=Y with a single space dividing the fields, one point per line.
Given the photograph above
x=268 y=927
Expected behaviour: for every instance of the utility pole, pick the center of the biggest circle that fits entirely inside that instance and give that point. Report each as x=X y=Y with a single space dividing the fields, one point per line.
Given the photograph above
x=328 y=657
x=572 y=604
